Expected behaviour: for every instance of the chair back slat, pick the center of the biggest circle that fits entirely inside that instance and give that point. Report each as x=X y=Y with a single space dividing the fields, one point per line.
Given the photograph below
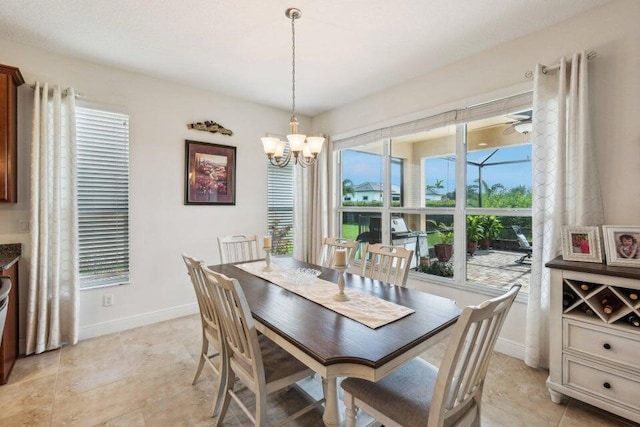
x=238 y=248
x=465 y=363
x=205 y=301
x=329 y=246
x=238 y=327
x=386 y=263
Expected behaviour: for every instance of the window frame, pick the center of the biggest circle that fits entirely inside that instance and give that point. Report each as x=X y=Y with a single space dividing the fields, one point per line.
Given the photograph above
x=94 y=281
x=459 y=212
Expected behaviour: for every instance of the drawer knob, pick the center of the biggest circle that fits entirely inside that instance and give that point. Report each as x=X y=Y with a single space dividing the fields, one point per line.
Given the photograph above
x=607 y=346
x=606 y=385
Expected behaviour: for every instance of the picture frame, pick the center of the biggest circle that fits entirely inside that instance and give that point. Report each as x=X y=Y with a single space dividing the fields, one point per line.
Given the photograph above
x=581 y=243
x=210 y=174
x=620 y=240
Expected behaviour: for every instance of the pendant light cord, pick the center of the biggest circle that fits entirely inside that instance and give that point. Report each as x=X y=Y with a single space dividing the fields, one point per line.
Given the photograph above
x=293 y=65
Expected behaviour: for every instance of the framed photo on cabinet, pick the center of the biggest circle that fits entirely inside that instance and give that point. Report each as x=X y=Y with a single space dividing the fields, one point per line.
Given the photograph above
x=581 y=243
x=210 y=174
x=621 y=245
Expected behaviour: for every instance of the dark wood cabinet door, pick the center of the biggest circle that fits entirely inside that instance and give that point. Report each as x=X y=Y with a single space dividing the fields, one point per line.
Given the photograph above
x=10 y=79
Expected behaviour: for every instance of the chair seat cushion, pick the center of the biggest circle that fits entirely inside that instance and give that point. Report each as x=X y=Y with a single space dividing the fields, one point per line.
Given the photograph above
x=277 y=362
x=404 y=395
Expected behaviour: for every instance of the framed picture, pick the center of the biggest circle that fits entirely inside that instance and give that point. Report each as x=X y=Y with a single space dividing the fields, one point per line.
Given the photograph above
x=581 y=243
x=210 y=174
x=621 y=245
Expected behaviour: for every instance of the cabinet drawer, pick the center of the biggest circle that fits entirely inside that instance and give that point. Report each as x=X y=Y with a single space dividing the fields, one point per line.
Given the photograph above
x=618 y=387
x=605 y=343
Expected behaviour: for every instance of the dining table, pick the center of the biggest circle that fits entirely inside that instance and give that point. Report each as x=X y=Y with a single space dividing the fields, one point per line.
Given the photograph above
x=334 y=345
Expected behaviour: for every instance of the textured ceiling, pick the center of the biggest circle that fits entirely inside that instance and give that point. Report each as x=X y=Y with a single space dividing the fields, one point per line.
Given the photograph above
x=346 y=49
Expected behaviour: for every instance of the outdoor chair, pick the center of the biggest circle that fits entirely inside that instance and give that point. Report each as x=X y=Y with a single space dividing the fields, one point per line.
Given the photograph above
x=418 y=393
x=523 y=244
x=238 y=248
x=329 y=246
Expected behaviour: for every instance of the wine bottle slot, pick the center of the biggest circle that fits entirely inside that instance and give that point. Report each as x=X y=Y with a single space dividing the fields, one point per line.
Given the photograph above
x=586 y=286
x=568 y=298
x=634 y=320
x=610 y=304
x=586 y=309
x=633 y=295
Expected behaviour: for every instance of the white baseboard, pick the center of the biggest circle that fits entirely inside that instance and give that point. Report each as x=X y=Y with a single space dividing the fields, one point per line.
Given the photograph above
x=510 y=348
x=122 y=324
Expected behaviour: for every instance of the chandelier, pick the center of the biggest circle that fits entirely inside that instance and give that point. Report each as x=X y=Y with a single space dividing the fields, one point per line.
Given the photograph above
x=303 y=150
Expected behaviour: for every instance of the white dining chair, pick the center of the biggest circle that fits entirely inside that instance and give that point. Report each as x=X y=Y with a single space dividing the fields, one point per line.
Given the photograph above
x=238 y=248
x=329 y=246
x=5 y=287
x=418 y=393
x=387 y=263
x=259 y=363
x=210 y=326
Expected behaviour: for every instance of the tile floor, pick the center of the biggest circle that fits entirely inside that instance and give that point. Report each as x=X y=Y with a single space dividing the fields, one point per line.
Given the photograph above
x=142 y=377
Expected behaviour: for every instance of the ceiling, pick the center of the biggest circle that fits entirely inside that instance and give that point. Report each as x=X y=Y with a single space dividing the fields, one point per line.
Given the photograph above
x=345 y=49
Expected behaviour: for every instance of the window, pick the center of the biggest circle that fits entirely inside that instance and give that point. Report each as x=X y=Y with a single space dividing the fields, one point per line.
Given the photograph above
x=280 y=207
x=103 y=197
x=451 y=187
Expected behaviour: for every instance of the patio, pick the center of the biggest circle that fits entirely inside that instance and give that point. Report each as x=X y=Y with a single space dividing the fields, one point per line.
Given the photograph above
x=498 y=268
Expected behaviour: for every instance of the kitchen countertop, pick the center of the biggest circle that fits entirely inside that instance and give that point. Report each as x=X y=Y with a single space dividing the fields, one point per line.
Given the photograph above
x=9 y=254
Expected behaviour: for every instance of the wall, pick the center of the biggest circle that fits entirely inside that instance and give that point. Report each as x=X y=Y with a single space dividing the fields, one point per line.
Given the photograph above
x=161 y=225
x=611 y=30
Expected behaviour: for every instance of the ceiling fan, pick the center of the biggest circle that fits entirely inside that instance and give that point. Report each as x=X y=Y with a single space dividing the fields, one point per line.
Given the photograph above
x=521 y=124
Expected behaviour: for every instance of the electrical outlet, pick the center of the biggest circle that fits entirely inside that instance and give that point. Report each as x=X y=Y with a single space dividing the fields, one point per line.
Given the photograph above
x=107 y=300
x=24 y=226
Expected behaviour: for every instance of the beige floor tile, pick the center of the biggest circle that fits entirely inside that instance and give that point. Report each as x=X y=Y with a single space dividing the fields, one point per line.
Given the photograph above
x=580 y=414
x=38 y=417
x=27 y=395
x=496 y=417
x=84 y=377
x=87 y=352
x=34 y=366
x=132 y=419
x=144 y=337
x=98 y=405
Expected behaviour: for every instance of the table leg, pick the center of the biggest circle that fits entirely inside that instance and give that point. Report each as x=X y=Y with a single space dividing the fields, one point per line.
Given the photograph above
x=331 y=416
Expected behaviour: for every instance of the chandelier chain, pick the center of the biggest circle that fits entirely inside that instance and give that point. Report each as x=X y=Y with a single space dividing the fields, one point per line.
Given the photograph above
x=293 y=64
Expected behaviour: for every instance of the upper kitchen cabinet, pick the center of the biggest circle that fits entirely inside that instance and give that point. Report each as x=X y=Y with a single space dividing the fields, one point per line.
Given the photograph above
x=10 y=79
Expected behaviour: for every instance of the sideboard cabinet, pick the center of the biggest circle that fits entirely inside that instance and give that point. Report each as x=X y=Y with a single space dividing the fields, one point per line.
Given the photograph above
x=594 y=330
x=10 y=79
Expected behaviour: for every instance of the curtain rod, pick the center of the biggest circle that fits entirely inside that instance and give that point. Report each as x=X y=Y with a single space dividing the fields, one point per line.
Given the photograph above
x=78 y=94
x=591 y=54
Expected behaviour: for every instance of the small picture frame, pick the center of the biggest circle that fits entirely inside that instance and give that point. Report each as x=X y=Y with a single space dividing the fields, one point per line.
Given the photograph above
x=622 y=245
x=210 y=174
x=581 y=243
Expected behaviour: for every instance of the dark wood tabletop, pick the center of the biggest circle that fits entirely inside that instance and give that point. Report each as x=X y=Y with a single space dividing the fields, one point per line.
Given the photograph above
x=331 y=338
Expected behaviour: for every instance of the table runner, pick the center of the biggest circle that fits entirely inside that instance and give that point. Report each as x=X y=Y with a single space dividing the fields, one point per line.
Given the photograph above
x=364 y=308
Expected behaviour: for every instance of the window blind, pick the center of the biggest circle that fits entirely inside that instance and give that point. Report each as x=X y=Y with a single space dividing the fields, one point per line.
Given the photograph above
x=510 y=104
x=103 y=197
x=280 y=200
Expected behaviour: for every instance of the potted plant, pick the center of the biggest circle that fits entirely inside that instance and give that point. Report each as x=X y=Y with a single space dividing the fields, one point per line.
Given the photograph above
x=491 y=228
x=444 y=249
x=474 y=233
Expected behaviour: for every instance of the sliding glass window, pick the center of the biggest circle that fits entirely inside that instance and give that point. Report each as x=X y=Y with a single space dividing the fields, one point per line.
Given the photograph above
x=454 y=188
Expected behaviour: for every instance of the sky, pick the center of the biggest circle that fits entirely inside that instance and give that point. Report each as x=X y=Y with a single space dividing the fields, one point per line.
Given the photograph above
x=365 y=167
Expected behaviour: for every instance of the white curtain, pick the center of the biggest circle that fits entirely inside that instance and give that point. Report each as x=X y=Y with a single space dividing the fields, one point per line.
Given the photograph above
x=53 y=297
x=311 y=208
x=566 y=186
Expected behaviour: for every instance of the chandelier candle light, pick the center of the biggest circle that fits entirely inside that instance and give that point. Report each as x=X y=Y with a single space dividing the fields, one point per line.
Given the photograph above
x=304 y=150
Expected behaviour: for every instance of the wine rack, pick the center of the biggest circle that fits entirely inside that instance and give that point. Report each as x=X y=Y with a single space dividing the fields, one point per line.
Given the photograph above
x=592 y=297
x=594 y=335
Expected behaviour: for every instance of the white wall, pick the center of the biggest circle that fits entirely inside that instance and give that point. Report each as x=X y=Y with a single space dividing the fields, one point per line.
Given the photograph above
x=611 y=30
x=161 y=225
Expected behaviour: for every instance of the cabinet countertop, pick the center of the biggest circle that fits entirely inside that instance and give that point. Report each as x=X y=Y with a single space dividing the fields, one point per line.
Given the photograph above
x=9 y=254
